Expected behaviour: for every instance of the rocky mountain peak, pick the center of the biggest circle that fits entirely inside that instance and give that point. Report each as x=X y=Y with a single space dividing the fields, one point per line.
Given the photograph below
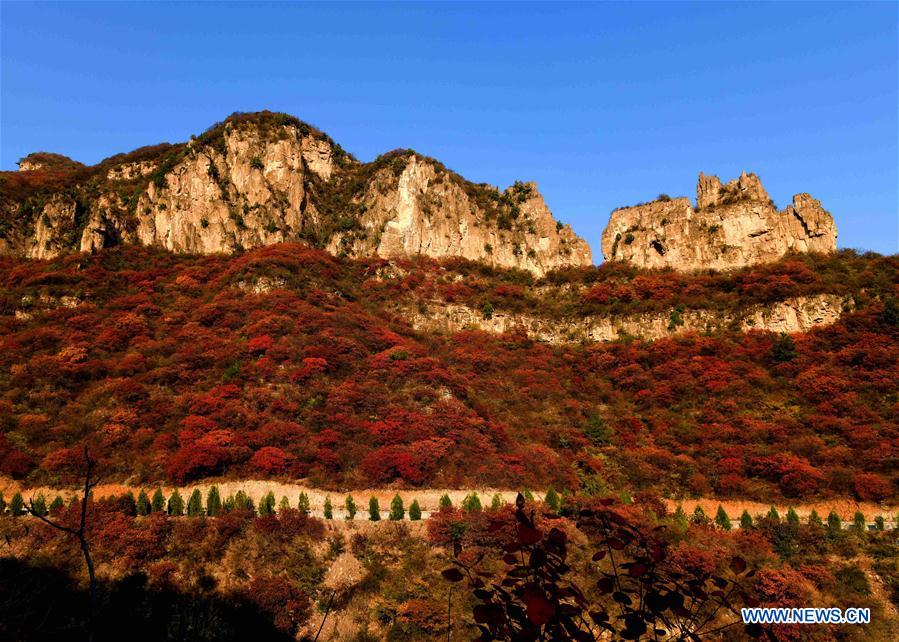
x=262 y=178
x=734 y=224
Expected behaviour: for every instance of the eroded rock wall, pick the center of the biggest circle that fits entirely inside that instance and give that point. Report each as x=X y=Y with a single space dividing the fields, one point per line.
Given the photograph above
x=245 y=185
x=798 y=314
x=733 y=225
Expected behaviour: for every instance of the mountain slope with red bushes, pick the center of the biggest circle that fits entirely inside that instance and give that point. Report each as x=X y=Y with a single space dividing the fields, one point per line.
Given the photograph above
x=288 y=361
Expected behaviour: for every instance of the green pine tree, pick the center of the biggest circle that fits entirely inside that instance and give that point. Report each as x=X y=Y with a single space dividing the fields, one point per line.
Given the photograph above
x=745 y=520
x=722 y=519
x=374 y=511
x=284 y=504
x=699 y=516
x=16 y=505
x=814 y=520
x=397 y=511
x=551 y=499
x=213 y=501
x=39 y=505
x=129 y=504
x=158 y=501
x=329 y=509
x=243 y=502
x=879 y=523
x=783 y=349
x=680 y=521
x=267 y=504
x=350 y=506
x=528 y=495
x=834 y=523
x=55 y=506
x=303 y=504
x=859 y=523
x=471 y=503
x=195 y=504
x=496 y=502
x=792 y=517
x=773 y=515
x=415 y=511
x=176 y=504
x=445 y=501
x=229 y=504
x=143 y=503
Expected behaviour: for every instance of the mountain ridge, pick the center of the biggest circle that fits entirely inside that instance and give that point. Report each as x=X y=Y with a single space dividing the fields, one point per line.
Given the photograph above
x=263 y=178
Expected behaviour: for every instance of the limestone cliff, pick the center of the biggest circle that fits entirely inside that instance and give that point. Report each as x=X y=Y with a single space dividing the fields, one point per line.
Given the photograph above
x=733 y=225
x=797 y=314
x=264 y=178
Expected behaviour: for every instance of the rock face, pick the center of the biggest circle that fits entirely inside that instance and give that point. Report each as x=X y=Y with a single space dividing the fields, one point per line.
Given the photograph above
x=798 y=314
x=733 y=225
x=265 y=178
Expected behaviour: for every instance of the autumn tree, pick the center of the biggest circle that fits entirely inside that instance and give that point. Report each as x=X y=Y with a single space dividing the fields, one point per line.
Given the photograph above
x=80 y=534
x=55 y=506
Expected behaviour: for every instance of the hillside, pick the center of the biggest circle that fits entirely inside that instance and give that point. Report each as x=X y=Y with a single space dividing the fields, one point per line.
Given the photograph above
x=263 y=178
x=289 y=362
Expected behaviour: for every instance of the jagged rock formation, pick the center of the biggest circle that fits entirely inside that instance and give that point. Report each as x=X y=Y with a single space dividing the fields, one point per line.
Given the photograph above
x=733 y=225
x=265 y=178
x=798 y=314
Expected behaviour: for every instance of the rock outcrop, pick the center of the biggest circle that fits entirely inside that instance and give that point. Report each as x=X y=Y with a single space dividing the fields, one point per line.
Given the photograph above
x=733 y=225
x=258 y=179
x=798 y=314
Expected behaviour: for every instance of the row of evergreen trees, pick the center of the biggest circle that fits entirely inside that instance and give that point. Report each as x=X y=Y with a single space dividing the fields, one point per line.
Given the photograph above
x=834 y=523
x=214 y=505
x=195 y=506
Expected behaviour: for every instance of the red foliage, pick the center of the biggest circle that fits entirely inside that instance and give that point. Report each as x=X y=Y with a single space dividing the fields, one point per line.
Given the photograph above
x=174 y=372
x=271 y=461
x=285 y=602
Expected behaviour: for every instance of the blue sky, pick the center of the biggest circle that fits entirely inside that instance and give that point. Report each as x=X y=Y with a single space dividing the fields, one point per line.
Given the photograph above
x=601 y=104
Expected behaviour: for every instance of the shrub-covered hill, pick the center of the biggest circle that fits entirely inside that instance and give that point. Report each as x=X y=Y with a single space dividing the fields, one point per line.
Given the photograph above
x=288 y=361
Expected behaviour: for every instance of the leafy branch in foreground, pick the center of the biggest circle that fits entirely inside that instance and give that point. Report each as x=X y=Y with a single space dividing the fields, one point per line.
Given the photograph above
x=79 y=533
x=640 y=595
